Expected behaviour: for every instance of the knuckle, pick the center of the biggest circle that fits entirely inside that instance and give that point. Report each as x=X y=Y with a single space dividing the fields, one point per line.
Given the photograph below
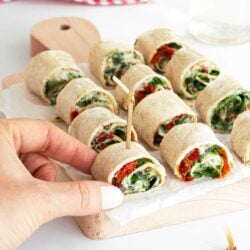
x=84 y=193
x=75 y=152
x=49 y=133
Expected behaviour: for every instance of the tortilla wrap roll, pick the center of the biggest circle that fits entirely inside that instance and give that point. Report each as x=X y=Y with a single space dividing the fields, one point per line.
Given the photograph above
x=190 y=72
x=193 y=151
x=132 y=170
x=108 y=59
x=99 y=128
x=158 y=46
x=240 y=137
x=221 y=102
x=48 y=72
x=81 y=94
x=155 y=115
x=141 y=79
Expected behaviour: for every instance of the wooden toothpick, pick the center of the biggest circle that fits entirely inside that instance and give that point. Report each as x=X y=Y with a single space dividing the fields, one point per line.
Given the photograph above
x=130 y=101
x=229 y=237
x=129 y=104
x=121 y=84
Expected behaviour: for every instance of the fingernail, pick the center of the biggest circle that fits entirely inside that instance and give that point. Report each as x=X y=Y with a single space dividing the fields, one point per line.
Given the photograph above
x=111 y=197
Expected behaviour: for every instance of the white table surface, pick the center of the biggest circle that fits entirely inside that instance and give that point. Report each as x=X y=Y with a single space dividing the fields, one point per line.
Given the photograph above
x=124 y=24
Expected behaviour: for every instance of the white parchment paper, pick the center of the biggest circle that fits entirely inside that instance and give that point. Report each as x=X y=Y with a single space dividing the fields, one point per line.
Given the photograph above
x=17 y=101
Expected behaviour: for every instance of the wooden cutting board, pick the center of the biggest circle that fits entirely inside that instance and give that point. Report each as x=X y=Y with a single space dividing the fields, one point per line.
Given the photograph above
x=76 y=36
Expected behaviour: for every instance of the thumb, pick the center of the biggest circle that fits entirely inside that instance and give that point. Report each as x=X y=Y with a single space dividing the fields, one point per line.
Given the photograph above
x=83 y=197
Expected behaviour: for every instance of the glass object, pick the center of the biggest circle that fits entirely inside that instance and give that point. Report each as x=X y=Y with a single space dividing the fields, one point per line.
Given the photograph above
x=220 y=21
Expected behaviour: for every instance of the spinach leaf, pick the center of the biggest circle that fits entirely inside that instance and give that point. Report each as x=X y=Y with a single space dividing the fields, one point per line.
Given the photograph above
x=207 y=171
x=121 y=132
x=214 y=149
x=174 y=46
x=143 y=181
x=214 y=72
x=209 y=164
x=54 y=86
x=117 y=58
x=158 y=81
x=142 y=161
x=198 y=78
x=93 y=97
x=117 y=63
x=228 y=109
x=184 y=119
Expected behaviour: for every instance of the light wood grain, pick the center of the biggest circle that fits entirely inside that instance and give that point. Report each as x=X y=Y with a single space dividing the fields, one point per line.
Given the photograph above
x=72 y=34
x=226 y=199
x=131 y=102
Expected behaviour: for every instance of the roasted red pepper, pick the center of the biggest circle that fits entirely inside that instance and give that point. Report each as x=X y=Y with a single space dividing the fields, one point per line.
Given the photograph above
x=124 y=171
x=186 y=163
x=186 y=178
x=74 y=114
x=226 y=168
x=148 y=89
x=164 y=52
x=171 y=124
x=104 y=136
x=231 y=116
x=204 y=68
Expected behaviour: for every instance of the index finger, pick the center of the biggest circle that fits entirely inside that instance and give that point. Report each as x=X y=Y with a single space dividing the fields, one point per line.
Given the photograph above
x=41 y=136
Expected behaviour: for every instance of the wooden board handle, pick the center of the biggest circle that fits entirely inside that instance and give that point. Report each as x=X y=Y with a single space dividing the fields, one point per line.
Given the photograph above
x=72 y=34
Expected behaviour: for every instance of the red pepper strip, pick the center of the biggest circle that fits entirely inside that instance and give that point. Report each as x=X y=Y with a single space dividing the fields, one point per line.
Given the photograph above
x=74 y=114
x=148 y=89
x=172 y=123
x=204 y=68
x=185 y=178
x=124 y=171
x=169 y=125
x=186 y=163
x=231 y=117
x=226 y=168
x=102 y=146
x=178 y=117
x=104 y=136
x=164 y=52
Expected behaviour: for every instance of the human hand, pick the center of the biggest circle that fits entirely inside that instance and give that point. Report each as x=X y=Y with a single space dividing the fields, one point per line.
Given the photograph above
x=28 y=195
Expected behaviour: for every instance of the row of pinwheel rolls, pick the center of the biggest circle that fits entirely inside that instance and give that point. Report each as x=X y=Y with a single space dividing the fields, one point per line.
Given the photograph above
x=188 y=72
x=180 y=67
x=167 y=54
x=156 y=115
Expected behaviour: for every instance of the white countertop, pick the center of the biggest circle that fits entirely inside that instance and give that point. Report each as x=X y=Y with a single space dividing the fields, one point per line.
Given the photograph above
x=124 y=24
